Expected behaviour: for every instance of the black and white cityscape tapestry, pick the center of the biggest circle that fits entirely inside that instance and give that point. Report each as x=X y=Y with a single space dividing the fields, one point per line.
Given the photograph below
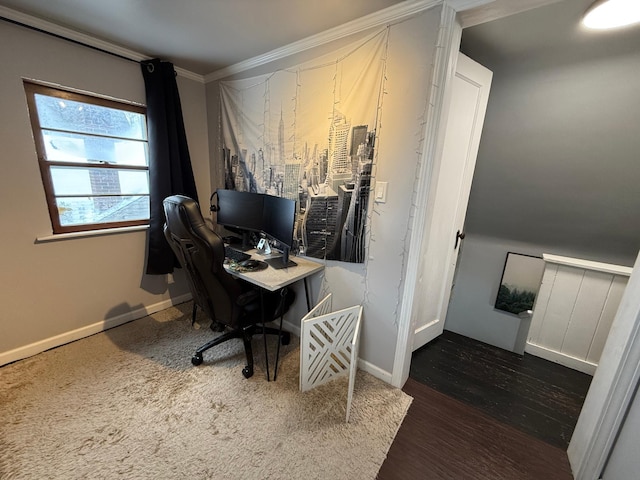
x=308 y=133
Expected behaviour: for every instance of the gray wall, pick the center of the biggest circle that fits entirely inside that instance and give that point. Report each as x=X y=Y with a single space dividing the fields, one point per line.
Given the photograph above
x=480 y=264
x=557 y=168
x=62 y=290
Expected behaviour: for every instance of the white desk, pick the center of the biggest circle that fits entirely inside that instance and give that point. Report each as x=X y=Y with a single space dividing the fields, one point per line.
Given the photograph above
x=273 y=279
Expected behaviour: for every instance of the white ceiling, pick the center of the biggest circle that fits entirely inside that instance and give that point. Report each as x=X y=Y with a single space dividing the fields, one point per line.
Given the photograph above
x=201 y=36
x=205 y=36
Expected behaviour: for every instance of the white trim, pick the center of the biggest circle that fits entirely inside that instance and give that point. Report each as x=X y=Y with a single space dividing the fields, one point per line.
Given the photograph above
x=83 y=92
x=90 y=233
x=395 y=13
x=588 y=265
x=87 y=39
x=88 y=330
x=462 y=5
x=495 y=9
x=561 y=358
x=445 y=63
x=377 y=372
x=612 y=388
x=292 y=326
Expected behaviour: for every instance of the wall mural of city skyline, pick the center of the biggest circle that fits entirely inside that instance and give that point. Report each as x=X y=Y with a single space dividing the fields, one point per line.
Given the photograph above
x=308 y=133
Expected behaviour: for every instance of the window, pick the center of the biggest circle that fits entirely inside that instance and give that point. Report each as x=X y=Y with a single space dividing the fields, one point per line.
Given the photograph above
x=93 y=159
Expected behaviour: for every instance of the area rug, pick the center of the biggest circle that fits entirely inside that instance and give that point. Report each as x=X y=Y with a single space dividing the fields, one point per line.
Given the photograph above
x=127 y=403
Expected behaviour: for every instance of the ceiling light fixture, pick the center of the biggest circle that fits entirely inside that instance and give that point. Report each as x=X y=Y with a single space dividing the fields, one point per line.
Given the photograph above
x=605 y=14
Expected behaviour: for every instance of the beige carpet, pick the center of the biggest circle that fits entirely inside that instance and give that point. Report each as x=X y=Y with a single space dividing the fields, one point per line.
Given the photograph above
x=127 y=403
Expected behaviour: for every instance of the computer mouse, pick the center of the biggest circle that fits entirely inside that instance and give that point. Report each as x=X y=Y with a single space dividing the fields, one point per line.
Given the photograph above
x=251 y=264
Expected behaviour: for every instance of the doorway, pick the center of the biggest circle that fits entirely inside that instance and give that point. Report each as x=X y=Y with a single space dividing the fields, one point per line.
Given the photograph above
x=531 y=183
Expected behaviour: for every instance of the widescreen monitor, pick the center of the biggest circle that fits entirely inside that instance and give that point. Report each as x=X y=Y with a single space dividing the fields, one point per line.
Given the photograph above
x=240 y=212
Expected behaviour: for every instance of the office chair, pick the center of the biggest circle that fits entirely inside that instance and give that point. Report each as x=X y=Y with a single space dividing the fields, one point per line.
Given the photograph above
x=230 y=303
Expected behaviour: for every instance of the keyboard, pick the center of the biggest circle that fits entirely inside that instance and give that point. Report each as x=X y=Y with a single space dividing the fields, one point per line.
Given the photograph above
x=235 y=255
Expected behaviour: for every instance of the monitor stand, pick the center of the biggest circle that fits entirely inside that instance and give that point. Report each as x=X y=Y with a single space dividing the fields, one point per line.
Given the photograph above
x=281 y=262
x=278 y=263
x=243 y=244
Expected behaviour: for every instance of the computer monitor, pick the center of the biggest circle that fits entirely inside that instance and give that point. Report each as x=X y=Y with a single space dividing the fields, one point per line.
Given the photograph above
x=278 y=223
x=241 y=212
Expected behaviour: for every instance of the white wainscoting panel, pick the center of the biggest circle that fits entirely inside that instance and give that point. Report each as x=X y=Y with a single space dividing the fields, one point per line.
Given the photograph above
x=574 y=310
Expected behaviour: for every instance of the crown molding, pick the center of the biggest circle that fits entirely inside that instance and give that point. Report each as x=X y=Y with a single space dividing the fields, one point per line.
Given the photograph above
x=462 y=5
x=70 y=34
x=386 y=16
x=487 y=10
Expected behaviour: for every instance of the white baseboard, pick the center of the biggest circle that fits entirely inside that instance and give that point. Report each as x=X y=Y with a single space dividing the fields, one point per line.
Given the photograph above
x=375 y=371
x=561 y=358
x=88 y=330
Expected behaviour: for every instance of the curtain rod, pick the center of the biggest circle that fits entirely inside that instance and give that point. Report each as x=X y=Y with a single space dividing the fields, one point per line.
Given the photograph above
x=61 y=37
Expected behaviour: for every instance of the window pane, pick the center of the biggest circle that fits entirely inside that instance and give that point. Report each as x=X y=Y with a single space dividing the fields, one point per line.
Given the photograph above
x=82 y=210
x=62 y=114
x=98 y=181
x=71 y=147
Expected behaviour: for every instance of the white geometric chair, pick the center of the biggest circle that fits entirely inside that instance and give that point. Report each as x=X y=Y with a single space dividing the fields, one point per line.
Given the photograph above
x=329 y=343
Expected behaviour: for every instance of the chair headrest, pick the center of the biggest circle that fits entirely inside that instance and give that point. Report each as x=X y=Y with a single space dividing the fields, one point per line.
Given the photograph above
x=183 y=209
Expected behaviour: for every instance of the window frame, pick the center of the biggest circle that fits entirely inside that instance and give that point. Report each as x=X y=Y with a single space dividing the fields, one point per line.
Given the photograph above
x=31 y=89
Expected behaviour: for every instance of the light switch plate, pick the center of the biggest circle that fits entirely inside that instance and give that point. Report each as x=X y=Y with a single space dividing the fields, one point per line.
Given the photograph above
x=381 y=192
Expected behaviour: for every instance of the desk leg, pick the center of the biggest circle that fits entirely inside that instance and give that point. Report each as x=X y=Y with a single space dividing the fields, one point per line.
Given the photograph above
x=283 y=297
x=193 y=313
x=283 y=294
x=264 y=335
x=306 y=294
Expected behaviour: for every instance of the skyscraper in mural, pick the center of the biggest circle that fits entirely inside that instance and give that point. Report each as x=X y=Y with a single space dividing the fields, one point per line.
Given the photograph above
x=291 y=181
x=339 y=162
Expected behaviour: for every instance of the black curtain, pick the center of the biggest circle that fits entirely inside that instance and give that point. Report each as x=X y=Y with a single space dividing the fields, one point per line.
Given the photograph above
x=170 y=171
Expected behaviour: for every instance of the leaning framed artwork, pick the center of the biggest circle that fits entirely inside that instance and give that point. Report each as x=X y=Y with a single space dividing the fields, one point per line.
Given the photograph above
x=520 y=283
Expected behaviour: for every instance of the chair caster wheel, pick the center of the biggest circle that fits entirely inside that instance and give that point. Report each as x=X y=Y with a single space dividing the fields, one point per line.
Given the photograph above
x=285 y=339
x=196 y=359
x=247 y=372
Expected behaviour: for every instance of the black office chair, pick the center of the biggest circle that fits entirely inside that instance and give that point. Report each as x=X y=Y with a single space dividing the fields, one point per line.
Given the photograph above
x=229 y=303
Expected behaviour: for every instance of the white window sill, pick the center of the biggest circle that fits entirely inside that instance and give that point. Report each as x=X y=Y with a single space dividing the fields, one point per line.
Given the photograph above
x=91 y=233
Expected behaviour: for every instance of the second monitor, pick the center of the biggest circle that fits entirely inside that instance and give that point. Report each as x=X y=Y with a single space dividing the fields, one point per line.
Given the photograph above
x=279 y=217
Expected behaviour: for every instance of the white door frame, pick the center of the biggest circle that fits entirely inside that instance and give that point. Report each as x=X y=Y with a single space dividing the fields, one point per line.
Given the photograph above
x=619 y=371
x=444 y=70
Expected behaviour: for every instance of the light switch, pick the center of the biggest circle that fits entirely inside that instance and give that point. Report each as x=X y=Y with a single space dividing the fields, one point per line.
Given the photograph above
x=381 y=192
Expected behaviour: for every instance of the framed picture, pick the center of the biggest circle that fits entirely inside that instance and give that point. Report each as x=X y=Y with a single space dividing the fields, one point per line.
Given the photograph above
x=520 y=283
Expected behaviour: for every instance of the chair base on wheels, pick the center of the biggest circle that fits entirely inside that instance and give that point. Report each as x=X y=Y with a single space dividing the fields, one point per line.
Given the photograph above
x=245 y=334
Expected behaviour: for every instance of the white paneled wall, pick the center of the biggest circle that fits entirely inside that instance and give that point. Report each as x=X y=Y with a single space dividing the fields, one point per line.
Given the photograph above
x=574 y=310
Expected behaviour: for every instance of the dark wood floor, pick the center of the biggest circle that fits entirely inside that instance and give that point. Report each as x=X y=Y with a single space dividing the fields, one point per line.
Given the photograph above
x=480 y=412
x=445 y=439
x=536 y=396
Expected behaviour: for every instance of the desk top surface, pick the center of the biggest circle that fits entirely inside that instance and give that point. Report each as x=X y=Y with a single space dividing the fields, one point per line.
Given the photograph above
x=274 y=279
